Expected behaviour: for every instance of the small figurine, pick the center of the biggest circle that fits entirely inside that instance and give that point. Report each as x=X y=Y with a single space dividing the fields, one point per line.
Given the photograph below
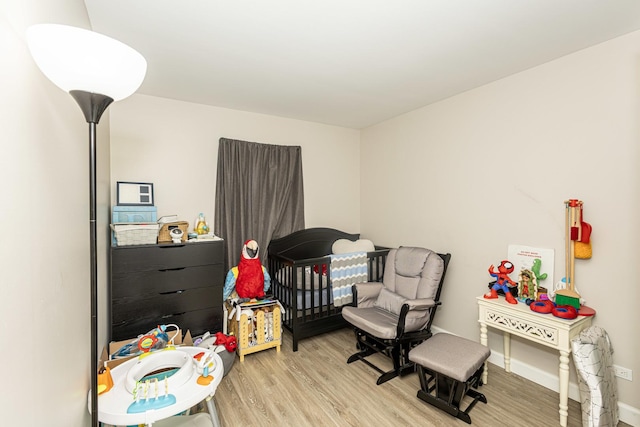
x=527 y=285
x=502 y=281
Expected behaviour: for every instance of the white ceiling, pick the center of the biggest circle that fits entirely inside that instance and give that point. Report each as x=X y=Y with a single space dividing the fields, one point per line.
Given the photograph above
x=351 y=63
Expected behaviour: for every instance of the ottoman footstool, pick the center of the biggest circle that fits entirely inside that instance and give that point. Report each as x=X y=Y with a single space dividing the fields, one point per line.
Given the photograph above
x=450 y=368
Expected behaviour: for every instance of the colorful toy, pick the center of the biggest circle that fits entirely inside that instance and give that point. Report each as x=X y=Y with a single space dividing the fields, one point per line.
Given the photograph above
x=155 y=339
x=535 y=268
x=229 y=342
x=161 y=384
x=105 y=381
x=544 y=307
x=527 y=285
x=529 y=282
x=249 y=278
x=583 y=244
x=502 y=282
x=565 y=311
x=573 y=230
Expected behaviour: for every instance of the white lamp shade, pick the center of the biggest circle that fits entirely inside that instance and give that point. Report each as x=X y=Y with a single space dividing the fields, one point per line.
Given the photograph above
x=78 y=59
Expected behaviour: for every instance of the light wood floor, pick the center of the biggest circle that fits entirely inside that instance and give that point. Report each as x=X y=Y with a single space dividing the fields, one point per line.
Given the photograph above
x=316 y=387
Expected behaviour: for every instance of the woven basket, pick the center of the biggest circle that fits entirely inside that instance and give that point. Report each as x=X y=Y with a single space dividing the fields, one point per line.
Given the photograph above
x=128 y=234
x=164 y=236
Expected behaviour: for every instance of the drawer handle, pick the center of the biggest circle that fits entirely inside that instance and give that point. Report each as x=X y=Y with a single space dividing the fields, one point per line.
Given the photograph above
x=173 y=292
x=166 y=316
x=172 y=246
x=164 y=270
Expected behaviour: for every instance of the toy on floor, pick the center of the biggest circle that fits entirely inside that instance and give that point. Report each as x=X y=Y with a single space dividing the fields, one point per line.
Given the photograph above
x=249 y=278
x=105 y=380
x=160 y=384
x=229 y=342
x=155 y=339
x=503 y=282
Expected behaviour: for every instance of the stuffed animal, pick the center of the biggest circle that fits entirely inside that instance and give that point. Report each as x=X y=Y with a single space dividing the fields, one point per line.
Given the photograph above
x=249 y=278
x=228 y=341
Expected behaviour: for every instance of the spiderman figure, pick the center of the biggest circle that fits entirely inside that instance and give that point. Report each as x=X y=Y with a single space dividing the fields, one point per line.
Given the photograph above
x=502 y=281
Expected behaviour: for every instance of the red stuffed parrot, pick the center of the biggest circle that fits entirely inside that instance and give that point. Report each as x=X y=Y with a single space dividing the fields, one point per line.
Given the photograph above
x=250 y=281
x=249 y=278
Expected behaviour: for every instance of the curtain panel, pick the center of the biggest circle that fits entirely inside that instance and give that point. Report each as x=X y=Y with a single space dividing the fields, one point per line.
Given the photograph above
x=259 y=195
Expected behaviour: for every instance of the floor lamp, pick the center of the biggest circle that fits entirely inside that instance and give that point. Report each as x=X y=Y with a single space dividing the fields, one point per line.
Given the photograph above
x=95 y=70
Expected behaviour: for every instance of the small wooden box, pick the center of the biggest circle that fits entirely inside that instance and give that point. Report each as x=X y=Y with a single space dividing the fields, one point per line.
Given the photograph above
x=259 y=332
x=164 y=235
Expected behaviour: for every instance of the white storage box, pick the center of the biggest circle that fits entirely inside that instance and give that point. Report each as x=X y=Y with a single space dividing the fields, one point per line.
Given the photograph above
x=141 y=233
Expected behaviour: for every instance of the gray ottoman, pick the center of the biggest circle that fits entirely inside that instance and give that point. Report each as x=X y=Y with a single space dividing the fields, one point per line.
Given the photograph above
x=450 y=368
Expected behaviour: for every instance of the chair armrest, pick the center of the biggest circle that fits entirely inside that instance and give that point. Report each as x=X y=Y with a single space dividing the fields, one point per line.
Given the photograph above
x=421 y=303
x=366 y=293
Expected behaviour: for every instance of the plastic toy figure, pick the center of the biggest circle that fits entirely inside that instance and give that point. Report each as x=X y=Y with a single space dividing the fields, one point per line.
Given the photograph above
x=527 y=285
x=502 y=281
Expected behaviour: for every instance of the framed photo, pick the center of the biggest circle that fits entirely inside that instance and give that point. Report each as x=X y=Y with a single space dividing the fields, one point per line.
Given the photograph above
x=134 y=193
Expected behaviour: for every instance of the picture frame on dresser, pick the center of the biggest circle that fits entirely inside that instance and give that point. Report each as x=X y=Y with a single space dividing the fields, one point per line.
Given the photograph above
x=134 y=193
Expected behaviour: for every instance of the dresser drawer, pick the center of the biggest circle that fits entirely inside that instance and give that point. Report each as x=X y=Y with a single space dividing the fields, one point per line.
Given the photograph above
x=167 y=280
x=197 y=322
x=128 y=259
x=162 y=304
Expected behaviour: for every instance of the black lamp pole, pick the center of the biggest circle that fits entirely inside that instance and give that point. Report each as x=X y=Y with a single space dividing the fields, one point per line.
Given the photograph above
x=92 y=106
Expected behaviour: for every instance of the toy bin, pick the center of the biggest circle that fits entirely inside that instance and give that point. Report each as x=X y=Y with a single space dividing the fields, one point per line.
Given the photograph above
x=128 y=234
x=132 y=214
x=259 y=327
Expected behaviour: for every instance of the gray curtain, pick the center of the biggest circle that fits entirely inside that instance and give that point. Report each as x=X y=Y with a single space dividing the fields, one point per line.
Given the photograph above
x=259 y=195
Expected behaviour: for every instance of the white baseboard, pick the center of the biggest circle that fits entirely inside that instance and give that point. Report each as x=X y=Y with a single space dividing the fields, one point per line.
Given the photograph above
x=628 y=413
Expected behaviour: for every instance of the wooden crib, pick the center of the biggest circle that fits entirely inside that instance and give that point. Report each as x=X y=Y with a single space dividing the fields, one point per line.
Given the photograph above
x=301 y=280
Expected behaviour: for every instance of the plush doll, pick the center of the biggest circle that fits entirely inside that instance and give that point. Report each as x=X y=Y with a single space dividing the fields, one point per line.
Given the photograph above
x=228 y=341
x=249 y=278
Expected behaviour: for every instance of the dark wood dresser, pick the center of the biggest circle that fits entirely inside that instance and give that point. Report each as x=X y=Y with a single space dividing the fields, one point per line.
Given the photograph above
x=155 y=285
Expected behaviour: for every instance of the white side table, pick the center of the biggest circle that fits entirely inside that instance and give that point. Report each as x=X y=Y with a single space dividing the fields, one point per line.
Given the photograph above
x=545 y=329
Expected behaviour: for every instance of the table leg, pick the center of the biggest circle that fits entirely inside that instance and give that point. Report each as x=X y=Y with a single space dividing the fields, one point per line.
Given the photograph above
x=564 y=387
x=485 y=342
x=211 y=406
x=506 y=339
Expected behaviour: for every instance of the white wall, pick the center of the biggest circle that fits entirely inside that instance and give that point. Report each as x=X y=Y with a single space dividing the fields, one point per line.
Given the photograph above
x=493 y=166
x=174 y=145
x=44 y=214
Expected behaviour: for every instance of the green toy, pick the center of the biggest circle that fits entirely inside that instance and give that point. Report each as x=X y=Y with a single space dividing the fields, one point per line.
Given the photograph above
x=535 y=268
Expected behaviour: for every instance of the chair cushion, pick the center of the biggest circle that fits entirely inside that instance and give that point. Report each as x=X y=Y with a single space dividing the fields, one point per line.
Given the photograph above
x=453 y=356
x=373 y=320
x=413 y=272
x=390 y=301
x=410 y=261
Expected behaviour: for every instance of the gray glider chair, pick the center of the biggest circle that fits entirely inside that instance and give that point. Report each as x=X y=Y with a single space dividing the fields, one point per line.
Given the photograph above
x=396 y=315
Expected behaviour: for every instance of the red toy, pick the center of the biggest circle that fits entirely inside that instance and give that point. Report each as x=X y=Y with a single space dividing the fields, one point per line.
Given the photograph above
x=228 y=341
x=250 y=281
x=502 y=281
